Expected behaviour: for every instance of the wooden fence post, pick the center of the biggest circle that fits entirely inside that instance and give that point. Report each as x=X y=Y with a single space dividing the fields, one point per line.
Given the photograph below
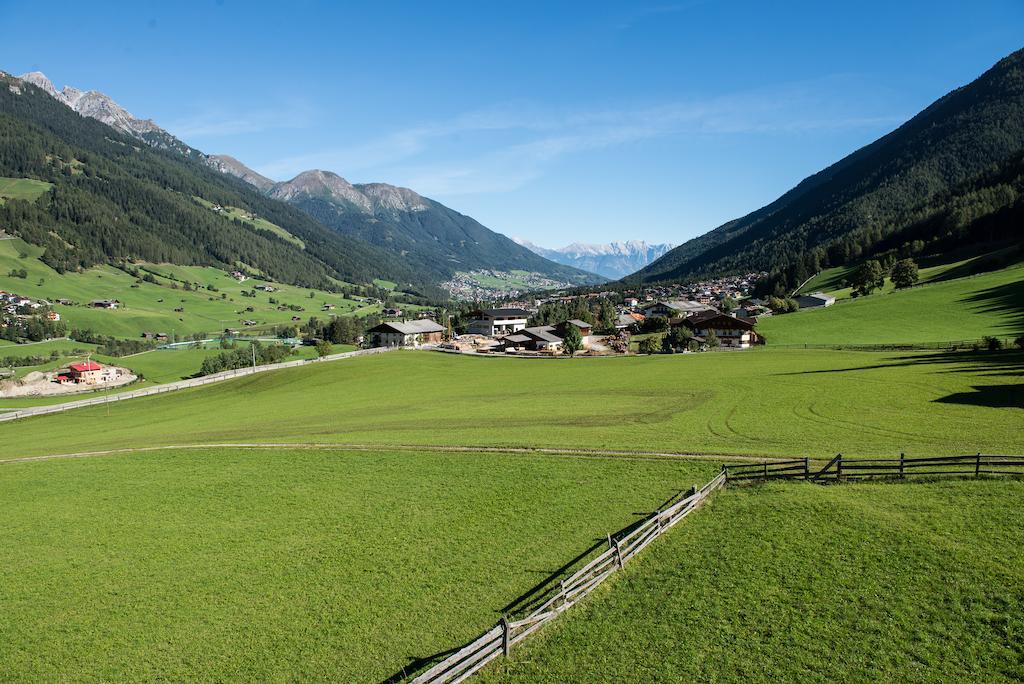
x=766 y=470
x=618 y=554
x=903 y=458
x=839 y=467
x=725 y=470
x=977 y=465
x=505 y=637
x=807 y=468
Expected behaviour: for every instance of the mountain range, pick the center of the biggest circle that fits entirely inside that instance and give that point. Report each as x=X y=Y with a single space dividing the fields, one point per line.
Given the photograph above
x=432 y=238
x=612 y=260
x=949 y=178
x=433 y=241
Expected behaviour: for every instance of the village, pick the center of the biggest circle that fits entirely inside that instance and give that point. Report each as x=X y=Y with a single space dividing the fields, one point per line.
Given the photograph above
x=713 y=314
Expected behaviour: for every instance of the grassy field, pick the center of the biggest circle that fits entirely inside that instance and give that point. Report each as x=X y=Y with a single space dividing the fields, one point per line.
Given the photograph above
x=259 y=223
x=261 y=565
x=22 y=189
x=920 y=582
x=151 y=307
x=784 y=402
x=960 y=309
x=934 y=270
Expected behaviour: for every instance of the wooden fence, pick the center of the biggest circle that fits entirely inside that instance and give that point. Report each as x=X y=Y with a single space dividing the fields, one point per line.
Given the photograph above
x=500 y=639
x=841 y=468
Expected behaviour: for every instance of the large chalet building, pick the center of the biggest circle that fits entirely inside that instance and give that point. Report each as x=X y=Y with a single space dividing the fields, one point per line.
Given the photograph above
x=405 y=334
x=495 y=322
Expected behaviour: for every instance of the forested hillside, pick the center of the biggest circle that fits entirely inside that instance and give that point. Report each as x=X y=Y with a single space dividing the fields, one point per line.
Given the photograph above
x=114 y=199
x=949 y=177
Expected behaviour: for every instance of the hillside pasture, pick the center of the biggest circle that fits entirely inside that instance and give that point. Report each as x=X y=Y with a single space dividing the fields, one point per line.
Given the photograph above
x=151 y=306
x=960 y=309
x=27 y=189
x=784 y=402
x=268 y=565
x=800 y=582
x=259 y=223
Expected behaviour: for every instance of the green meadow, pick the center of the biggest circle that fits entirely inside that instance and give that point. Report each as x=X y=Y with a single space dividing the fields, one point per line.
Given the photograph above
x=151 y=306
x=234 y=213
x=765 y=402
x=272 y=565
x=22 y=189
x=918 y=582
x=960 y=309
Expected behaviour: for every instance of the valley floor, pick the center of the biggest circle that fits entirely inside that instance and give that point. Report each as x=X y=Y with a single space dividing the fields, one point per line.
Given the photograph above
x=243 y=565
x=909 y=582
x=764 y=402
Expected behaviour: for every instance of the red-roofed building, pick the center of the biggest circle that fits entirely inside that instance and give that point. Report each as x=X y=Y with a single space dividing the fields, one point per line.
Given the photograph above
x=89 y=372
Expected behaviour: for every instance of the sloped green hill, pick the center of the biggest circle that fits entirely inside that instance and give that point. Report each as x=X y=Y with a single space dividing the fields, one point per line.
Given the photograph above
x=943 y=311
x=116 y=199
x=950 y=176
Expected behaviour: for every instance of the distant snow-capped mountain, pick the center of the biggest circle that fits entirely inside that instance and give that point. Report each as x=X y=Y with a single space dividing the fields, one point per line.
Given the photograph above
x=611 y=260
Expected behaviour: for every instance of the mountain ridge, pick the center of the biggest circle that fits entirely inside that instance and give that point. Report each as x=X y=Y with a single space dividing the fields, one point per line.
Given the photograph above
x=612 y=260
x=881 y=200
x=436 y=240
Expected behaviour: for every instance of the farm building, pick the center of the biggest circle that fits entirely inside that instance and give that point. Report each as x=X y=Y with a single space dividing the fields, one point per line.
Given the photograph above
x=405 y=334
x=492 y=322
x=732 y=331
x=679 y=307
x=815 y=300
x=86 y=373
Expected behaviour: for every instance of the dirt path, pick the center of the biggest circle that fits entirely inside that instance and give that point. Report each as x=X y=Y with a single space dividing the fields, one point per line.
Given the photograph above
x=581 y=453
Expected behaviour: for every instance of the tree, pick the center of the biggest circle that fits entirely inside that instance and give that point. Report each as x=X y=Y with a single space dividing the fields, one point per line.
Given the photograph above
x=648 y=345
x=323 y=348
x=677 y=339
x=868 y=278
x=711 y=340
x=1019 y=341
x=729 y=305
x=904 y=273
x=573 y=341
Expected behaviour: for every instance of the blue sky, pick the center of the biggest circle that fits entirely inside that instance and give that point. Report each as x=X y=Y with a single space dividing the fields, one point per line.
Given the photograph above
x=554 y=121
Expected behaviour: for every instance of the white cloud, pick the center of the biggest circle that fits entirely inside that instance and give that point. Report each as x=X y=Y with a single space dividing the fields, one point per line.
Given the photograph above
x=515 y=143
x=220 y=122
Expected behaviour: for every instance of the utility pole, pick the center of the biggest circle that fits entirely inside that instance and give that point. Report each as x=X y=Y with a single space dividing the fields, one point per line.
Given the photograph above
x=252 y=346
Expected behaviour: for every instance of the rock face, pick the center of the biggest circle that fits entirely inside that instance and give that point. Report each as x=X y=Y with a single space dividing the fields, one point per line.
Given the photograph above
x=233 y=167
x=96 y=105
x=612 y=260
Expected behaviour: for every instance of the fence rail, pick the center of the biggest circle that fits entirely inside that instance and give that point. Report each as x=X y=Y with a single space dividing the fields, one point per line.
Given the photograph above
x=841 y=468
x=184 y=384
x=499 y=640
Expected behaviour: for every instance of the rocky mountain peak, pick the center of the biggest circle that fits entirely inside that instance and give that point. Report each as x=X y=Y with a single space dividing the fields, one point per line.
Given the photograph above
x=39 y=80
x=389 y=197
x=321 y=184
x=99 y=106
x=233 y=167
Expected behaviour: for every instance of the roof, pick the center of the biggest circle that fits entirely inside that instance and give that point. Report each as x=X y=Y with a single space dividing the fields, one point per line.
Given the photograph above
x=715 y=320
x=544 y=333
x=88 y=366
x=521 y=313
x=579 y=324
x=424 y=325
x=819 y=295
x=517 y=338
x=682 y=305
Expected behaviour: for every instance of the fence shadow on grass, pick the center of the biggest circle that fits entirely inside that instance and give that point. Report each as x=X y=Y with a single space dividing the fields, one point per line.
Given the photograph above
x=537 y=594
